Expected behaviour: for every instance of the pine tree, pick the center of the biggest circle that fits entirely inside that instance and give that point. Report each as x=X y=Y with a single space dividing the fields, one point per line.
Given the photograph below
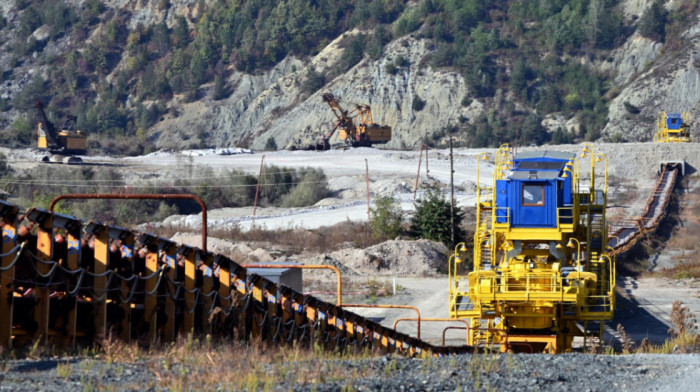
x=432 y=218
x=653 y=22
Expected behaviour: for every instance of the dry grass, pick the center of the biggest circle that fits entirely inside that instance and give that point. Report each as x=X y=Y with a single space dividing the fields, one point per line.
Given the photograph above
x=684 y=338
x=684 y=270
x=192 y=364
x=685 y=241
x=294 y=241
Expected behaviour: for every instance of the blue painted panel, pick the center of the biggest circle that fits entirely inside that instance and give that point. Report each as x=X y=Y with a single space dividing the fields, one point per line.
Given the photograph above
x=673 y=121
x=567 y=197
x=501 y=200
x=534 y=216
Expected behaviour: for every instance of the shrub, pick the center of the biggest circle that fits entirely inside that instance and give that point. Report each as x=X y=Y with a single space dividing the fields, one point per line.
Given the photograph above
x=631 y=108
x=418 y=104
x=431 y=219
x=271 y=144
x=386 y=218
x=310 y=188
x=23 y=130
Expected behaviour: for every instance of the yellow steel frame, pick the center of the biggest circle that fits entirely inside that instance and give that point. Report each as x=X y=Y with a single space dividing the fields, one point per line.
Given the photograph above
x=665 y=135
x=517 y=297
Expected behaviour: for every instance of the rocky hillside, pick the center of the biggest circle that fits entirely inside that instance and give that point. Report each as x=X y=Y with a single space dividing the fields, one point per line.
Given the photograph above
x=142 y=75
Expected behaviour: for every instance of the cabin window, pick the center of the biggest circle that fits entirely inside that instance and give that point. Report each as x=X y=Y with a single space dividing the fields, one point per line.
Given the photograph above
x=533 y=195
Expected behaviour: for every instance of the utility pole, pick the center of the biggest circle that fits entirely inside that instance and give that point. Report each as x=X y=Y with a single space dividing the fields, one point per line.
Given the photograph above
x=452 y=194
x=257 y=189
x=420 y=159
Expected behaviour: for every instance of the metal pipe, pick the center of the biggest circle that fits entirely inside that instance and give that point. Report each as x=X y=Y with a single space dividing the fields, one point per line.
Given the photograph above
x=306 y=266
x=466 y=323
x=445 y=330
x=389 y=307
x=137 y=196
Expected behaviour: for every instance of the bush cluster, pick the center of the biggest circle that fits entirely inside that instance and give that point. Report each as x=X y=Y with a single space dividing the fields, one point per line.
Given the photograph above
x=231 y=188
x=431 y=219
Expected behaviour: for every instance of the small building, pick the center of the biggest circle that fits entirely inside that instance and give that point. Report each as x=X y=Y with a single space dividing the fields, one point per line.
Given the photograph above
x=290 y=277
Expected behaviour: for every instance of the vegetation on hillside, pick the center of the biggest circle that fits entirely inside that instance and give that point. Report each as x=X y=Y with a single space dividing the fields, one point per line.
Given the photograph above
x=231 y=188
x=526 y=59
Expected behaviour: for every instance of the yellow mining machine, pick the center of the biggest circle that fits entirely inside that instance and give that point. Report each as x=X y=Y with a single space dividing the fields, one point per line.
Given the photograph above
x=673 y=128
x=356 y=128
x=542 y=271
x=64 y=145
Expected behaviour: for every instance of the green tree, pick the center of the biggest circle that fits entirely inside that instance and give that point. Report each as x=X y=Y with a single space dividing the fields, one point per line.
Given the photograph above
x=271 y=144
x=518 y=78
x=220 y=91
x=314 y=80
x=386 y=218
x=431 y=219
x=23 y=130
x=5 y=169
x=353 y=53
x=653 y=22
x=561 y=136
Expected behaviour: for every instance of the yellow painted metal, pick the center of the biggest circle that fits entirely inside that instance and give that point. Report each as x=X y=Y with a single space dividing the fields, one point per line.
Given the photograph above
x=72 y=264
x=258 y=295
x=271 y=294
x=522 y=294
x=207 y=289
x=41 y=295
x=189 y=256
x=100 y=290
x=151 y=300
x=665 y=135
x=171 y=273
x=127 y=246
x=9 y=234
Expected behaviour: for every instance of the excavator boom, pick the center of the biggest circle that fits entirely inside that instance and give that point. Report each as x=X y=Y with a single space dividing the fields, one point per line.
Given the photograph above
x=63 y=144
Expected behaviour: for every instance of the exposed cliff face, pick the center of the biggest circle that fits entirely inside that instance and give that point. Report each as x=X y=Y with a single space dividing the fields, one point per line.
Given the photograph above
x=668 y=80
x=649 y=75
x=273 y=103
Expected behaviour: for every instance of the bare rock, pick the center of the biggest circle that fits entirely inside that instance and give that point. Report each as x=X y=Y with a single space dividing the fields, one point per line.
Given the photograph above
x=396 y=257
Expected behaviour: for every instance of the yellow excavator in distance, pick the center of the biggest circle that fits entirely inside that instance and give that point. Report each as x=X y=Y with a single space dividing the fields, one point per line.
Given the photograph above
x=64 y=145
x=362 y=133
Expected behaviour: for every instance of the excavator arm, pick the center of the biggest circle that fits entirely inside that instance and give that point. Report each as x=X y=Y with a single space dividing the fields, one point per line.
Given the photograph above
x=46 y=129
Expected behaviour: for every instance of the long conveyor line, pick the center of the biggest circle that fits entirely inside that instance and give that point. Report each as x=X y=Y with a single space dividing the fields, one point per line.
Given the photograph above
x=72 y=283
x=625 y=236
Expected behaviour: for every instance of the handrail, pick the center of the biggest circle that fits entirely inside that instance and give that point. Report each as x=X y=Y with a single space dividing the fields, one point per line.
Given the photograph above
x=438 y=319
x=388 y=307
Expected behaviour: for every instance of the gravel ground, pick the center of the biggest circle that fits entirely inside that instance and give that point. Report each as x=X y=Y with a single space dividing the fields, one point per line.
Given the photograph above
x=567 y=372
